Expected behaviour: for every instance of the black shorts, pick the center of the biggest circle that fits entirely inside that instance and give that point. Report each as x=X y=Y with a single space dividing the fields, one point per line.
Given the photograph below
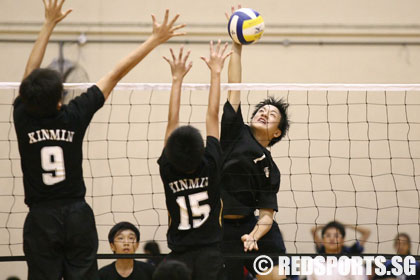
x=270 y=244
x=205 y=262
x=60 y=240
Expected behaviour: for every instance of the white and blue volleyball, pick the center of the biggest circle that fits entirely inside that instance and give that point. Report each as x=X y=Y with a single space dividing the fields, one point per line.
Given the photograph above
x=245 y=26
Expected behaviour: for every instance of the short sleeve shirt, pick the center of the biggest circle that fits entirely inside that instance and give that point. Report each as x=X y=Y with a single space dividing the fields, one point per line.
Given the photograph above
x=250 y=177
x=193 y=200
x=51 y=148
x=141 y=271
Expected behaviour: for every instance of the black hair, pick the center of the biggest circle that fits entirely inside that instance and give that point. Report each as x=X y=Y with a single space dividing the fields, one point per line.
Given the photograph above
x=41 y=91
x=282 y=106
x=185 y=149
x=403 y=234
x=152 y=247
x=13 y=278
x=121 y=226
x=172 y=270
x=336 y=225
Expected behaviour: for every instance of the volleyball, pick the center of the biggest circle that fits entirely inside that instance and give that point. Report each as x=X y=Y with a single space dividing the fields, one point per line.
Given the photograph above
x=245 y=26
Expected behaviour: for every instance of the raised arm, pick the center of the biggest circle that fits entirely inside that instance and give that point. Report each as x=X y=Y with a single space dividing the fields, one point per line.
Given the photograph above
x=215 y=63
x=179 y=69
x=161 y=33
x=316 y=236
x=53 y=15
x=235 y=70
x=364 y=232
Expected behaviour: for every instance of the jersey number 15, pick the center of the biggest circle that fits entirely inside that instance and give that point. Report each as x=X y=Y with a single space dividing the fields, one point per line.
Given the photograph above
x=200 y=213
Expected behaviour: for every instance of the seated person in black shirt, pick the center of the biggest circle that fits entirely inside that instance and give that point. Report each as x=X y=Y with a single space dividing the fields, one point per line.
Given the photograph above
x=190 y=174
x=332 y=239
x=172 y=270
x=50 y=138
x=124 y=238
x=250 y=177
x=152 y=248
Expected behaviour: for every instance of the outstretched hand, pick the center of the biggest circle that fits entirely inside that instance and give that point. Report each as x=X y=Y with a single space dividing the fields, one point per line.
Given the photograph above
x=166 y=30
x=179 y=66
x=53 y=12
x=232 y=9
x=217 y=57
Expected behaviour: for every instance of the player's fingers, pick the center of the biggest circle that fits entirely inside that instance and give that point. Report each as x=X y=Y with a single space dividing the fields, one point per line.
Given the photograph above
x=227 y=55
x=154 y=19
x=178 y=27
x=173 y=20
x=239 y=6
x=224 y=48
x=66 y=13
x=205 y=59
x=211 y=47
x=218 y=47
x=186 y=56
x=179 y=34
x=181 y=50
x=167 y=59
x=227 y=16
x=61 y=4
x=165 y=19
x=45 y=4
x=189 y=67
x=55 y=3
x=246 y=247
x=172 y=53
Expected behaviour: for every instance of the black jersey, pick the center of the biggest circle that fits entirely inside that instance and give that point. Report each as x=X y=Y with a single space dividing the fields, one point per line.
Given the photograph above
x=141 y=271
x=51 y=148
x=193 y=200
x=250 y=178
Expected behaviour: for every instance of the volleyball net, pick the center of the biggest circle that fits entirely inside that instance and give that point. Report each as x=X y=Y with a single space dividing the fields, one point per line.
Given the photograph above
x=352 y=155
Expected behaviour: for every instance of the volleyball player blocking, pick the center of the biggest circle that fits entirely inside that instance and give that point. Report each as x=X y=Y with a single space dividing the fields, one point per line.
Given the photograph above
x=190 y=174
x=250 y=177
x=50 y=137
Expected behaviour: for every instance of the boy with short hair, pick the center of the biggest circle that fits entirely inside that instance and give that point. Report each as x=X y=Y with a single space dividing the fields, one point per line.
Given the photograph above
x=190 y=173
x=332 y=242
x=50 y=137
x=332 y=239
x=124 y=238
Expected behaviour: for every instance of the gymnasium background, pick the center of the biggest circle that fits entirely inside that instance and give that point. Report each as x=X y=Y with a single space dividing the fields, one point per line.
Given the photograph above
x=325 y=41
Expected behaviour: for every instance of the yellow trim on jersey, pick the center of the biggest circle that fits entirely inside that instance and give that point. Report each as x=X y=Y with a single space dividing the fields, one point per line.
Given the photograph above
x=169 y=219
x=221 y=211
x=252 y=22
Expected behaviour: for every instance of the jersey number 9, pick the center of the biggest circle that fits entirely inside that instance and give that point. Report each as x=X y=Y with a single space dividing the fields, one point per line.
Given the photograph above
x=52 y=161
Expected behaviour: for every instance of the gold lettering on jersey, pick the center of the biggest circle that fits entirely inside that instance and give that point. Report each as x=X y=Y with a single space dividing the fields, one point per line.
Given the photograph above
x=50 y=134
x=189 y=184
